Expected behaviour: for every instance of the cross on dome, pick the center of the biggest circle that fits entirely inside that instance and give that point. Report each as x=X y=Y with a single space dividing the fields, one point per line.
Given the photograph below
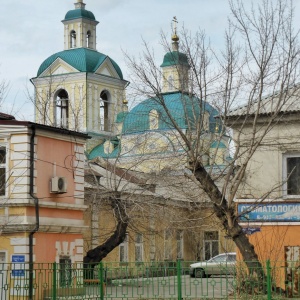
x=79 y=4
x=175 y=37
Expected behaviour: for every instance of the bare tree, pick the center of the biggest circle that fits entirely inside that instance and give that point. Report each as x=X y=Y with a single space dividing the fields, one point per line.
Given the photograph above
x=260 y=58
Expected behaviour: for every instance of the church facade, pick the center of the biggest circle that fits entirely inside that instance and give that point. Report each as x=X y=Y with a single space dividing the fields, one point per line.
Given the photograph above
x=84 y=90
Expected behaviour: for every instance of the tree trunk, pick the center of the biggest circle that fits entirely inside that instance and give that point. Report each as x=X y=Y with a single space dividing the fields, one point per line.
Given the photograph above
x=226 y=214
x=94 y=256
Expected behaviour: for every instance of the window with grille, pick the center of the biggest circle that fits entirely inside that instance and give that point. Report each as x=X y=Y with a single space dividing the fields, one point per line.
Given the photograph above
x=139 y=247
x=65 y=271
x=211 y=244
x=168 y=244
x=291 y=175
x=124 y=250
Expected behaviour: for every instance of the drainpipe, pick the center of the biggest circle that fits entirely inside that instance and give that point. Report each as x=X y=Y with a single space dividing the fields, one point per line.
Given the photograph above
x=36 y=205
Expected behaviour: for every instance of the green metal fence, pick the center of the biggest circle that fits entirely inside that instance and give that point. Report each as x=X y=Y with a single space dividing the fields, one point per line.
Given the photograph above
x=148 y=280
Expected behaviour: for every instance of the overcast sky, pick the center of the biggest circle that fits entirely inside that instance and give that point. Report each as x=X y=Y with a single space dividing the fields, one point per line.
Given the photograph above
x=31 y=31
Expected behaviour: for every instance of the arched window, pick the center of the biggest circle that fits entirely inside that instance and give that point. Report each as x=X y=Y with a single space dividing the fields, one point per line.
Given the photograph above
x=104 y=103
x=88 y=39
x=62 y=109
x=171 y=83
x=73 y=39
x=153 y=119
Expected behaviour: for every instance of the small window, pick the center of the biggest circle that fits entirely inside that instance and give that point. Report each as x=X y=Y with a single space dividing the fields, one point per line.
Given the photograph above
x=139 y=247
x=291 y=175
x=153 y=119
x=211 y=244
x=2 y=170
x=73 y=39
x=168 y=244
x=124 y=250
x=171 y=83
x=104 y=107
x=62 y=109
x=88 y=39
x=205 y=124
x=65 y=271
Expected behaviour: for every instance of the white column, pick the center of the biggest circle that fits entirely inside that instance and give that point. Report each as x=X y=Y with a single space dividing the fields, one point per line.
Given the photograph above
x=79 y=36
x=67 y=38
x=73 y=115
x=94 y=45
x=96 y=126
x=39 y=100
x=90 y=108
x=82 y=111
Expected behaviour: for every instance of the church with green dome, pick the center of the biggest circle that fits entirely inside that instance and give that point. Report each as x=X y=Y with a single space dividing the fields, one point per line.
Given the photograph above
x=135 y=157
x=147 y=140
x=80 y=88
x=83 y=89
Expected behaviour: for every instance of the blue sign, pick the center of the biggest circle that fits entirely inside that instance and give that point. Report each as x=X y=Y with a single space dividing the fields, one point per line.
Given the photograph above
x=18 y=273
x=18 y=258
x=18 y=264
x=275 y=212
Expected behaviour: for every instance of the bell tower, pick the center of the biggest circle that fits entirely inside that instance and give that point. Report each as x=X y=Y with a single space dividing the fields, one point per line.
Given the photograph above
x=80 y=88
x=80 y=28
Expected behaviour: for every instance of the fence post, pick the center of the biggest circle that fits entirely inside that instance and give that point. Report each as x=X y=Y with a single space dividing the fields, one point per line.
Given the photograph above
x=54 y=282
x=101 y=281
x=179 y=291
x=269 y=280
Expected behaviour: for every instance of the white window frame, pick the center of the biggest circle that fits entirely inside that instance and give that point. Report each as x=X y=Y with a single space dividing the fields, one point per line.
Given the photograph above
x=179 y=241
x=139 y=247
x=153 y=119
x=285 y=156
x=170 y=83
x=124 y=246
x=211 y=241
x=168 y=244
x=5 y=167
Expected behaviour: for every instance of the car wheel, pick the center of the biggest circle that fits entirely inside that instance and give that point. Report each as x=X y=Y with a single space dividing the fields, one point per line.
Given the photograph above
x=199 y=273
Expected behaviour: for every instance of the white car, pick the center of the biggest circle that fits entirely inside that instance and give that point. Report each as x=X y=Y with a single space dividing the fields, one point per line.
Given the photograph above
x=222 y=264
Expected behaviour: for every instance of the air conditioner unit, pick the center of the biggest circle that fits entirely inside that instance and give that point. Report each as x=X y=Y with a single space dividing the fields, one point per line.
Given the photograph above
x=58 y=185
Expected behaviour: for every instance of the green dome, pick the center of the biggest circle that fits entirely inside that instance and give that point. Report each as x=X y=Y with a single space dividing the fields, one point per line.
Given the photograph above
x=121 y=116
x=185 y=110
x=100 y=151
x=79 y=13
x=82 y=59
x=175 y=58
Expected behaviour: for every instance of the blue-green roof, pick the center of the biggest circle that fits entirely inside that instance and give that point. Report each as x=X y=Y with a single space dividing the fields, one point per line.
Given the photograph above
x=185 y=110
x=99 y=151
x=82 y=59
x=121 y=116
x=175 y=58
x=79 y=13
x=217 y=144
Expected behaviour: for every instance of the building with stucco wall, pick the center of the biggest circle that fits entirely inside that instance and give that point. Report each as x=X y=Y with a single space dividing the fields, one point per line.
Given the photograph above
x=82 y=89
x=41 y=196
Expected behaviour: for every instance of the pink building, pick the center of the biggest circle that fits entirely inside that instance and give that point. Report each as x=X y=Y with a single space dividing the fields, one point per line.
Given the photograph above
x=41 y=193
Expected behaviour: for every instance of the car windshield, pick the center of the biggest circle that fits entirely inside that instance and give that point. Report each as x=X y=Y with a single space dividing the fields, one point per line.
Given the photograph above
x=223 y=258
x=219 y=258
